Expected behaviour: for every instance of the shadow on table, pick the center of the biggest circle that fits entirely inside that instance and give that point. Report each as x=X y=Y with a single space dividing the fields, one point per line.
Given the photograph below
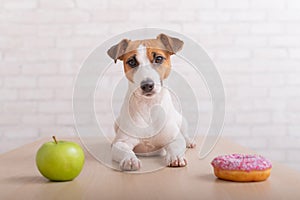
x=207 y=177
x=35 y=179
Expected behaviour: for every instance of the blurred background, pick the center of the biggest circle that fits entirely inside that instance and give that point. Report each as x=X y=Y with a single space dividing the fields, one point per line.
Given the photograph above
x=255 y=45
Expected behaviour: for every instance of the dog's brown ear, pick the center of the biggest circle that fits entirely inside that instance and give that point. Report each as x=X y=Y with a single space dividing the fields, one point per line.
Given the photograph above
x=173 y=45
x=118 y=50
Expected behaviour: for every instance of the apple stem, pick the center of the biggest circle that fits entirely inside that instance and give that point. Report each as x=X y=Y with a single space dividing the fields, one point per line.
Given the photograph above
x=54 y=138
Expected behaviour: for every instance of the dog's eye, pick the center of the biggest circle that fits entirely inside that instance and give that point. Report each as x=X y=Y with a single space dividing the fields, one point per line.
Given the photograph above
x=132 y=62
x=159 y=59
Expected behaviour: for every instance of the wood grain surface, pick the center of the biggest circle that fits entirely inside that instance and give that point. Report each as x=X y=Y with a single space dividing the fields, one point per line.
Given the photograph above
x=20 y=179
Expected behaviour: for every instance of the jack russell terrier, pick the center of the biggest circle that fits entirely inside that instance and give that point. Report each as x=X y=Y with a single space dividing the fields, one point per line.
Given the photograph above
x=148 y=122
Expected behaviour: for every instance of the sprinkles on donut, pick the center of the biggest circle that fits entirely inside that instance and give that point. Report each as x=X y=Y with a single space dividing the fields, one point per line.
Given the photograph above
x=242 y=167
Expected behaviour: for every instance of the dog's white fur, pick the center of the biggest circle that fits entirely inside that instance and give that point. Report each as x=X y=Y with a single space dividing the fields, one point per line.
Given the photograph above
x=149 y=124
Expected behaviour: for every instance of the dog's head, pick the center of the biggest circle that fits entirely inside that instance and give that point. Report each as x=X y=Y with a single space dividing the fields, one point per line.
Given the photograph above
x=146 y=62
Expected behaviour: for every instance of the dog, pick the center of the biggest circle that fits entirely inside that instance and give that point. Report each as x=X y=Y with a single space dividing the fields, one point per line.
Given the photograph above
x=148 y=122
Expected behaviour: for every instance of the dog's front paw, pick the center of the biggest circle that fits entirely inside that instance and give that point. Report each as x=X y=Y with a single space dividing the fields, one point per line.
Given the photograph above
x=130 y=164
x=176 y=161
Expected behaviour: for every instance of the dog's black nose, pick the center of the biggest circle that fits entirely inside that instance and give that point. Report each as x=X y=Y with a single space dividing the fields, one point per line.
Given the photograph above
x=147 y=85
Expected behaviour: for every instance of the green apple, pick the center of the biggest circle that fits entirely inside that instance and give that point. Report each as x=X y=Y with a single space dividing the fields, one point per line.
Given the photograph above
x=60 y=160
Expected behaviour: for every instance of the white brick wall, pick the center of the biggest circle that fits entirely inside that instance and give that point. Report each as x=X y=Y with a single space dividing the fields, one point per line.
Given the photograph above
x=254 y=43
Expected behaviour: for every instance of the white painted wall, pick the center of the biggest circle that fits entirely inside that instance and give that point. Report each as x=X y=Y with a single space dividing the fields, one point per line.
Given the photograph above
x=254 y=43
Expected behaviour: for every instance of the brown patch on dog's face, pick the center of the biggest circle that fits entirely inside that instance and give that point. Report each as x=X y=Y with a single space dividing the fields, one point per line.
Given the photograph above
x=129 y=70
x=159 y=51
x=161 y=61
x=157 y=56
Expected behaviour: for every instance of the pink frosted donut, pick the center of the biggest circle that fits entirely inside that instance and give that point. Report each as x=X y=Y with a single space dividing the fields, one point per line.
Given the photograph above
x=240 y=167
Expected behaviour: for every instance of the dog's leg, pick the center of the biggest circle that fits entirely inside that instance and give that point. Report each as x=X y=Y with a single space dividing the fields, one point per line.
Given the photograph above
x=175 y=152
x=116 y=125
x=190 y=143
x=122 y=153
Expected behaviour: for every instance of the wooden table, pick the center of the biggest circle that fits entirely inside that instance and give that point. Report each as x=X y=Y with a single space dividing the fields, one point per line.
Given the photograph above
x=20 y=179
